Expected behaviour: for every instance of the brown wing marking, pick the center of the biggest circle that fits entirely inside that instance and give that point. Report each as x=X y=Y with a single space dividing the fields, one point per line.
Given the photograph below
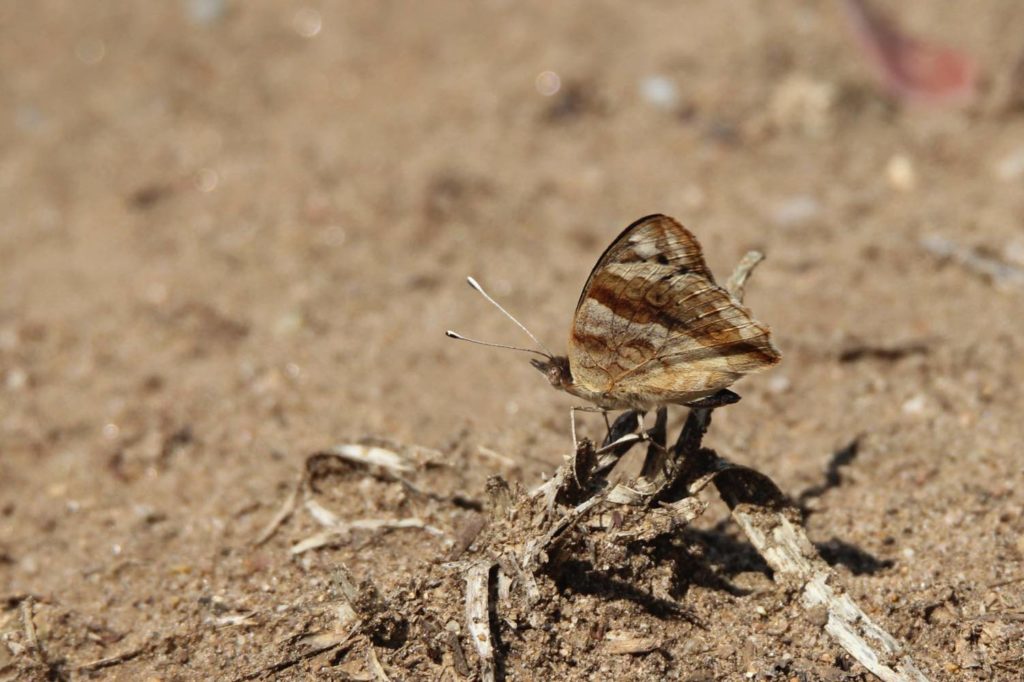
x=646 y=328
x=715 y=343
x=653 y=239
x=651 y=319
x=605 y=339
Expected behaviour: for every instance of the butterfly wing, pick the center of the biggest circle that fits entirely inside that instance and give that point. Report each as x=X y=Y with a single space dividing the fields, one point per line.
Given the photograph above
x=651 y=325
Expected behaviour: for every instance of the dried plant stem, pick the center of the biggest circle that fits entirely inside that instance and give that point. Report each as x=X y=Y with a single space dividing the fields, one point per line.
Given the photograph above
x=787 y=550
x=478 y=620
x=791 y=555
x=738 y=280
x=283 y=513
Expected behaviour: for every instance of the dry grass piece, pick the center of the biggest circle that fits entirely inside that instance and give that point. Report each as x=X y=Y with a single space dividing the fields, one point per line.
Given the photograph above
x=282 y=515
x=478 y=620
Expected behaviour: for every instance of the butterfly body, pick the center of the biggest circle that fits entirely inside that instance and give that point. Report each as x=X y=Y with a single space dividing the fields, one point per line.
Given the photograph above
x=653 y=328
x=607 y=397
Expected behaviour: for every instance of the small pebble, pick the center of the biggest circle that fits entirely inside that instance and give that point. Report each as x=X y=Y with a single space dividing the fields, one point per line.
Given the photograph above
x=779 y=383
x=548 y=83
x=1014 y=252
x=90 y=51
x=289 y=323
x=307 y=22
x=694 y=197
x=901 y=174
x=205 y=12
x=661 y=92
x=1011 y=166
x=915 y=406
x=795 y=210
x=805 y=105
x=206 y=180
x=17 y=379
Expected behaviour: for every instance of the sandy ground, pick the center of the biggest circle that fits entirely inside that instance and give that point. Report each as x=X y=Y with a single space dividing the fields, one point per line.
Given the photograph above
x=227 y=243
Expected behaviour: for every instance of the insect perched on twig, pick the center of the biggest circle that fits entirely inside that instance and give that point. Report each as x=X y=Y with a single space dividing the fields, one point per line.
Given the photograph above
x=652 y=328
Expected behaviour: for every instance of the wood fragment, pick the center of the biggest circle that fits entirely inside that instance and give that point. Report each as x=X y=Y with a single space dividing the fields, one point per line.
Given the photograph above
x=31 y=636
x=737 y=283
x=536 y=548
x=125 y=656
x=234 y=619
x=393 y=524
x=337 y=530
x=618 y=643
x=369 y=455
x=458 y=655
x=686 y=510
x=331 y=643
x=1002 y=274
x=466 y=535
x=511 y=567
x=344 y=583
x=620 y=439
x=478 y=621
x=501 y=459
x=499 y=497
x=549 y=489
x=116 y=659
x=29 y=625
x=1004 y=583
x=856 y=352
x=787 y=550
x=638 y=494
x=322 y=515
x=373 y=663
x=282 y=515
x=316 y=541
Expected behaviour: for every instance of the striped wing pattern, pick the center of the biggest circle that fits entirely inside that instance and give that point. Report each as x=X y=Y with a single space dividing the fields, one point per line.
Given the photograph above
x=652 y=327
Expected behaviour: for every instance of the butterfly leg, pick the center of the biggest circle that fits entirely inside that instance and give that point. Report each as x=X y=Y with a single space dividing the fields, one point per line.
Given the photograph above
x=572 y=420
x=628 y=435
x=657 y=451
x=621 y=433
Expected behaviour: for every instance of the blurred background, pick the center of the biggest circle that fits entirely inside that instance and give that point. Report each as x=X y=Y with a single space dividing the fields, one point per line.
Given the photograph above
x=233 y=233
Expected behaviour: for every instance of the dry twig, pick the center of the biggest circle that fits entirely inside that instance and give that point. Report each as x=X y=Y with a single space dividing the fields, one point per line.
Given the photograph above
x=478 y=620
x=283 y=513
x=1004 y=275
x=373 y=663
x=785 y=547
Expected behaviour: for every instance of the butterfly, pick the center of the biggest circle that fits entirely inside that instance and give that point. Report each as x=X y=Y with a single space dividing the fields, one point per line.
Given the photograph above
x=652 y=327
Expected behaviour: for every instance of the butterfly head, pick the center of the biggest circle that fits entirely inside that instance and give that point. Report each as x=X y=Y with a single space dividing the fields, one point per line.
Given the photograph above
x=556 y=369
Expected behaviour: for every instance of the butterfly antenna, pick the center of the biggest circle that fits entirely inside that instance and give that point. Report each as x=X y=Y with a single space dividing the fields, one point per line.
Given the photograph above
x=476 y=285
x=455 y=335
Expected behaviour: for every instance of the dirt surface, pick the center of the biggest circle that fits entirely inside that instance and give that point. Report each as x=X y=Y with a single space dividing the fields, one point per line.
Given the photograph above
x=230 y=241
